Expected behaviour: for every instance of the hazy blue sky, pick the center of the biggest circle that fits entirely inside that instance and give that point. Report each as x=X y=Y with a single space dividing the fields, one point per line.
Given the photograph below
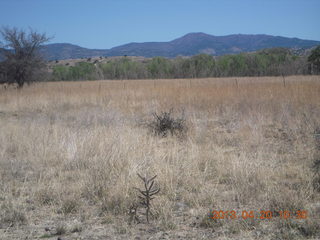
x=108 y=23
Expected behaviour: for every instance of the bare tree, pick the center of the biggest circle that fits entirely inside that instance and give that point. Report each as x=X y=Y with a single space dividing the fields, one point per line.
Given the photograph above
x=22 y=60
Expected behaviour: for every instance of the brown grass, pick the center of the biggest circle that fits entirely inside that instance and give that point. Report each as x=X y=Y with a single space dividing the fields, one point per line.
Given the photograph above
x=70 y=153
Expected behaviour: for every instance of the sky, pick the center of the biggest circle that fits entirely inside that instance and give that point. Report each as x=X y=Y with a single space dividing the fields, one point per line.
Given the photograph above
x=104 y=24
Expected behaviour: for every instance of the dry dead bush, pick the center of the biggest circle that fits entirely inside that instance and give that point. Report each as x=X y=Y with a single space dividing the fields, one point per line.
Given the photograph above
x=316 y=177
x=164 y=123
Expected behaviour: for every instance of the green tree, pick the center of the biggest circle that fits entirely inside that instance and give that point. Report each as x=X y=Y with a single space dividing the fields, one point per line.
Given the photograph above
x=314 y=60
x=203 y=65
x=60 y=73
x=159 y=67
x=81 y=71
x=238 y=66
x=223 y=66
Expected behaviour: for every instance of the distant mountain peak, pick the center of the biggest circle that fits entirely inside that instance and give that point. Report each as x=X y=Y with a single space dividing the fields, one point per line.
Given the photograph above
x=193 y=36
x=197 y=34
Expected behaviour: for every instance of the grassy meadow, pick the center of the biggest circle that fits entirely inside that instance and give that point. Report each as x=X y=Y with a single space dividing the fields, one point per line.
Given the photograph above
x=70 y=153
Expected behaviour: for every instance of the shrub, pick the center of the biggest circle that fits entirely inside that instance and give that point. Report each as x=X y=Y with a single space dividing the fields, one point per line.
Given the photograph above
x=69 y=206
x=165 y=123
x=316 y=177
x=11 y=215
x=60 y=230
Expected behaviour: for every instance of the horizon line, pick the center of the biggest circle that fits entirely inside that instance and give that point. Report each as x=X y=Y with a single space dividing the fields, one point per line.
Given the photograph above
x=182 y=37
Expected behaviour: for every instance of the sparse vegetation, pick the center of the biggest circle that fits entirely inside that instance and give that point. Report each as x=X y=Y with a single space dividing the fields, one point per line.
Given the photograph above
x=70 y=153
x=11 y=215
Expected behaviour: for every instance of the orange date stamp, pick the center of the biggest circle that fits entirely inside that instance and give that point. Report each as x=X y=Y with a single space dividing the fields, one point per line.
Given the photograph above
x=262 y=214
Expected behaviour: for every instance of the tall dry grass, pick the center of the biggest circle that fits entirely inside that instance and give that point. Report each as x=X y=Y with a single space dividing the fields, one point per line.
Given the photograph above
x=72 y=150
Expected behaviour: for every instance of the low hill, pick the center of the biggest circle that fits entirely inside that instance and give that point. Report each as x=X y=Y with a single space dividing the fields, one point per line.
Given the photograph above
x=69 y=51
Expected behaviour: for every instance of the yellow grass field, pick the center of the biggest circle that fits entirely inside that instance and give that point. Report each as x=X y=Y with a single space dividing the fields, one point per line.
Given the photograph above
x=70 y=153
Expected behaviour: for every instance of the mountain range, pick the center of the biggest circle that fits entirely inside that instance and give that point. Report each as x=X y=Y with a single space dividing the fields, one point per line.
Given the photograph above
x=188 y=45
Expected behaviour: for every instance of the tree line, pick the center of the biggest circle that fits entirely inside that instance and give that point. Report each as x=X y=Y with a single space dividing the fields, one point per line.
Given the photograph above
x=267 y=62
x=23 y=63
